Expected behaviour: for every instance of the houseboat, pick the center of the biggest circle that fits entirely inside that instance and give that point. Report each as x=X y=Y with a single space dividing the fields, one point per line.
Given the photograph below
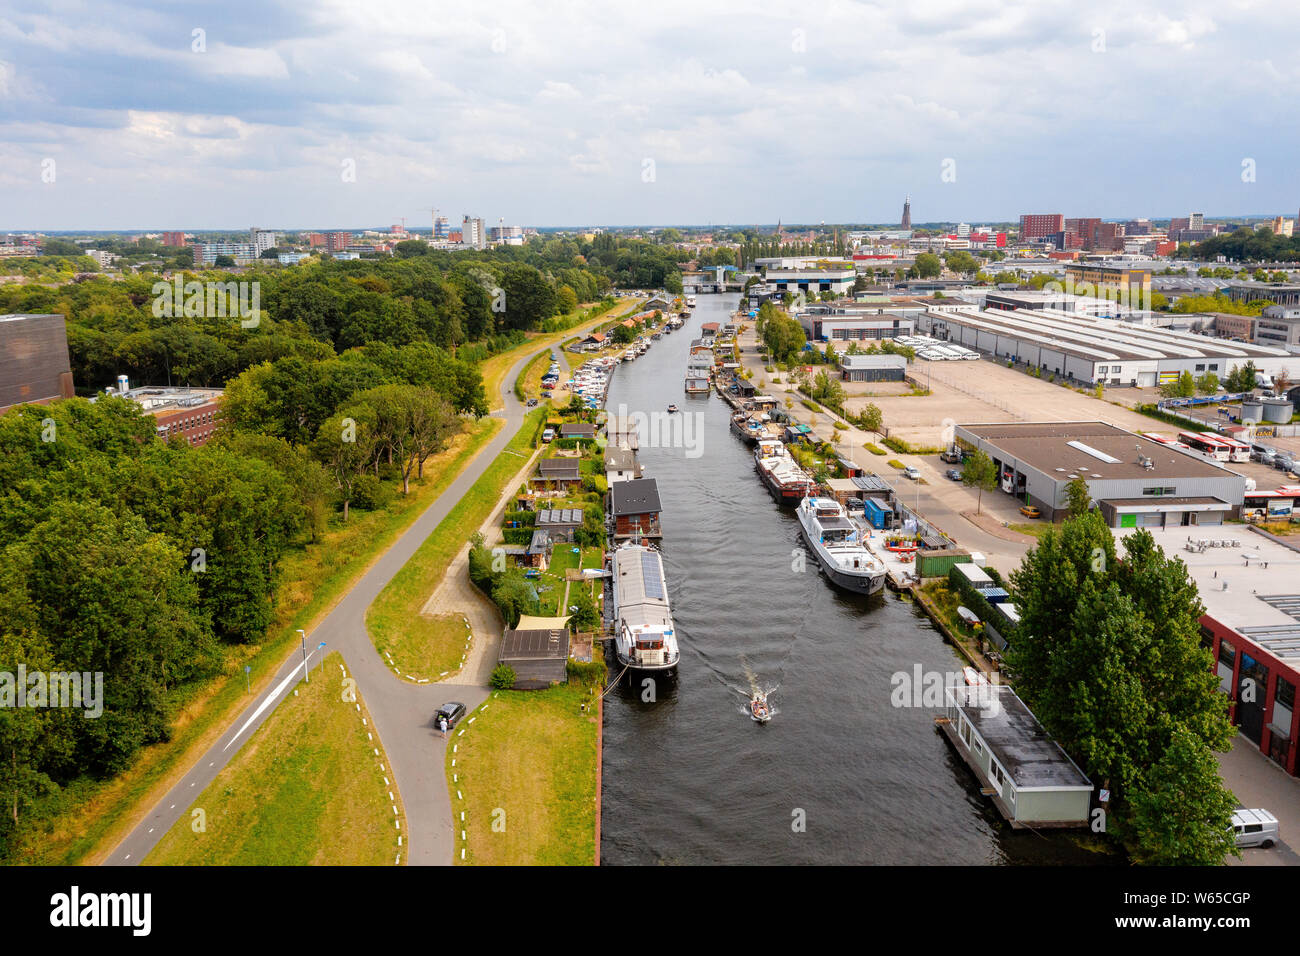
x=698 y=378
x=783 y=477
x=837 y=543
x=645 y=638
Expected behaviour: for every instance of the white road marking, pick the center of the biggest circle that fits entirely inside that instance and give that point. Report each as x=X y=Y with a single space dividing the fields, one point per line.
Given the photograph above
x=268 y=700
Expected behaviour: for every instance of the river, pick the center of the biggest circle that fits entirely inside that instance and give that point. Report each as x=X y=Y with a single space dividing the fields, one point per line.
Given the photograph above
x=840 y=775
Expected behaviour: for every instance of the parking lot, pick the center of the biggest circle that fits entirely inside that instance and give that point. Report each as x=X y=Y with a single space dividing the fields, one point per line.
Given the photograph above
x=984 y=391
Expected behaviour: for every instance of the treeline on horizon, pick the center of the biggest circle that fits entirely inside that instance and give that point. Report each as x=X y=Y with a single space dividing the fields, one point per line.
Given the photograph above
x=152 y=561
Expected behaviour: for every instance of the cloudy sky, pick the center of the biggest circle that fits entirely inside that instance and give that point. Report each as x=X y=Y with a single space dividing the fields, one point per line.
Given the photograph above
x=156 y=114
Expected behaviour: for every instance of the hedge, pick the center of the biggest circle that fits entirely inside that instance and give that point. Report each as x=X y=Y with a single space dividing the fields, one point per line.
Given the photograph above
x=977 y=603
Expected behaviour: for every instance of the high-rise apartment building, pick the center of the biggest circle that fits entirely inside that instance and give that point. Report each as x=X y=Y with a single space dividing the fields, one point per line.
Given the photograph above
x=263 y=239
x=1041 y=225
x=441 y=227
x=472 y=234
x=173 y=239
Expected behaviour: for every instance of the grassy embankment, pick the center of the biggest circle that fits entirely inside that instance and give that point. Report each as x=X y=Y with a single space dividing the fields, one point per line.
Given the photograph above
x=529 y=383
x=528 y=765
x=313 y=579
x=426 y=647
x=305 y=789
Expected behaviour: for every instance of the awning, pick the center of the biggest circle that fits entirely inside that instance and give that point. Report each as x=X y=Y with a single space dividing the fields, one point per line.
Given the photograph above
x=528 y=622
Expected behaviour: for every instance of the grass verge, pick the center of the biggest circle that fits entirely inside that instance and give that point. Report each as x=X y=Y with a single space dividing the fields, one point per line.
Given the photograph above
x=394 y=620
x=1033 y=528
x=313 y=579
x=305 y=789
x=529 y=762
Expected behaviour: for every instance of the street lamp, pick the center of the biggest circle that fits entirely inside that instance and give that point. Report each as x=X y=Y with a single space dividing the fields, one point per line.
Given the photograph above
x=305 y=671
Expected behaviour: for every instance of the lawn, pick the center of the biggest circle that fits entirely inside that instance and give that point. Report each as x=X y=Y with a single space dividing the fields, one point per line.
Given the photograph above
x=305 y=789
x=394 y=619
x=312 y=580
x=427 y=652
x=553 y=578
x=528 y=763
x=1033 y=528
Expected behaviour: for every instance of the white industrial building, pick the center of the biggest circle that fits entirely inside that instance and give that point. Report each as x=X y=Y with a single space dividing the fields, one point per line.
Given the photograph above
x=1135 y=482
x=1090 y=350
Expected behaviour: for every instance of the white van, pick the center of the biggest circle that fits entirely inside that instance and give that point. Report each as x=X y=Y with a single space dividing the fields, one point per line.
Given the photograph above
x=1255 y=828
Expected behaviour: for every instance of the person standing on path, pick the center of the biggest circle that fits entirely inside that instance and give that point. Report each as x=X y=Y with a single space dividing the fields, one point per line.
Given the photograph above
x=442 y=726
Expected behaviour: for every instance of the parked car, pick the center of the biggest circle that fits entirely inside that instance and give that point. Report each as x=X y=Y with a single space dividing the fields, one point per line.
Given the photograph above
x=1284 y=463
x=953 y=474
x=1029 y=511
x=1254 y=828
x=951 y=455
x=910 y=472
x=531 y=402
x=549 y=435
x=452 y=710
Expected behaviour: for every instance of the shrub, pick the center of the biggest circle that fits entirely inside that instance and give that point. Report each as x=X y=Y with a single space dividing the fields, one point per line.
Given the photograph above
x=503 y=677
x=874 y=448
x=895 y=463
x=591 y=673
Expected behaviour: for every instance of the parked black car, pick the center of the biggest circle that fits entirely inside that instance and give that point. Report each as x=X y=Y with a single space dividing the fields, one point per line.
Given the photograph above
x=953 y=473
x=452 y=710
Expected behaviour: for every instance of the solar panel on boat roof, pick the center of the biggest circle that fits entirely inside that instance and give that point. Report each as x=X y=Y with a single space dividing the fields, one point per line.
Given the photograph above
x=651 y=576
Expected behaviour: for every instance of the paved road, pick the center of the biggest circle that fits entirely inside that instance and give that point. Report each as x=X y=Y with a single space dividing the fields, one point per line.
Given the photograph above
x=402 y=712
x=1260 y=783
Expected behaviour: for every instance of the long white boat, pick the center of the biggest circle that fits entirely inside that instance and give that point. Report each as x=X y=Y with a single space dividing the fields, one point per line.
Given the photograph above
x=837 y=543
x=645 y=637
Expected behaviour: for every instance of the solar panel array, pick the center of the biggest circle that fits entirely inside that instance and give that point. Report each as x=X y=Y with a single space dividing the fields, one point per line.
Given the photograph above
x=652 y=576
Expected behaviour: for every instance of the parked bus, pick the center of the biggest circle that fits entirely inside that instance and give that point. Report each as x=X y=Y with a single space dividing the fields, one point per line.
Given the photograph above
x=1270 y=505
x=1237 y=450
x=1165 y=440
x=1212 y=446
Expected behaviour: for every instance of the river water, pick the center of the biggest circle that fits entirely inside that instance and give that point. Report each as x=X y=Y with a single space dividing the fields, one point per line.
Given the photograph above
x=840 y=775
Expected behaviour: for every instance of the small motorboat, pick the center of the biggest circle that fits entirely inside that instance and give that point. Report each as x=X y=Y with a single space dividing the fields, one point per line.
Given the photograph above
x=758 y=708
x=673 y=408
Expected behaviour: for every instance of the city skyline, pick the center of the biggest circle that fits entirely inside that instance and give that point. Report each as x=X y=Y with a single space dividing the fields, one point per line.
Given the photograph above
x=114 y=117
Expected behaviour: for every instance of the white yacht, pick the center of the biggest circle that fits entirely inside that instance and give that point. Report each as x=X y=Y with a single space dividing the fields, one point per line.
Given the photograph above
x=645 y=637
x=837 y=543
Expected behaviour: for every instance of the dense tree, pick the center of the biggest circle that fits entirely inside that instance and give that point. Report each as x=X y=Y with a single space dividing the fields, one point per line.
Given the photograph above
x=928 y=265
x=783 y=337
x=1108 y=656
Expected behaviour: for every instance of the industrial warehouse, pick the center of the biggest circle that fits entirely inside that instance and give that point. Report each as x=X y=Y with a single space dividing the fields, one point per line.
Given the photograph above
x=1091 y=350
x=1134 y=481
